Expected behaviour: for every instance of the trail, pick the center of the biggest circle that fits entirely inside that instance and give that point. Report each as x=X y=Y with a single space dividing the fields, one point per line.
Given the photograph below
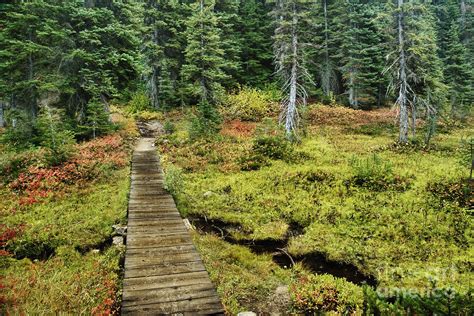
x=164 y=273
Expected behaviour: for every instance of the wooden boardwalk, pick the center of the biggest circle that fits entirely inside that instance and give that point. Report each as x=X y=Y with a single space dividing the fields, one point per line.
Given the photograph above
x=163 y=271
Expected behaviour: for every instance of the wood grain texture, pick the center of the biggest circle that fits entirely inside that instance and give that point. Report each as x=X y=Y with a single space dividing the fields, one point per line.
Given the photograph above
x=164 y=273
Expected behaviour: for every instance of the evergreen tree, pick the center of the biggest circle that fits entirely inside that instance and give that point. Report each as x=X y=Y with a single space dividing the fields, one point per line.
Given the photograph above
x=361 y=54
x=204 y=56
x=327 y=40
x=457 y=72
x=229 y=21
x=162 y=50
x=256 y=45
x=414 y=65
x=32 y=38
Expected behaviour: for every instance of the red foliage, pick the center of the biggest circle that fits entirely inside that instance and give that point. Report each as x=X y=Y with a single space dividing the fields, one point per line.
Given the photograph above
x=237 y=128
x=341 y=116
x=7 y=234
x=38 y=183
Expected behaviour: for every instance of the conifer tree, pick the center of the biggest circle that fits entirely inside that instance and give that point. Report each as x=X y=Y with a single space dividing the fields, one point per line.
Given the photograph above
x=204 y=56
x=457 y=72
x=229 y=21
x=361 y=54
x=414 y=65
x=256 y=45
x=162 y=50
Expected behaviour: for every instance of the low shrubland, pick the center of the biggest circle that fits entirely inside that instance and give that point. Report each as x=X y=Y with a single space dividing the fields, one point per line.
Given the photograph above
x=57 y=220
x=399 y=215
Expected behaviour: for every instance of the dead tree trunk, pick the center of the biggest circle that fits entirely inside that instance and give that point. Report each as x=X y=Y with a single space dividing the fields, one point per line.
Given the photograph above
x=2 y=116
x=402 y=100
x=291 y=113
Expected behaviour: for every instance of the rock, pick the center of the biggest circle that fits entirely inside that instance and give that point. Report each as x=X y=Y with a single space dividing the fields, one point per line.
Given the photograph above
x=117 y=241
x=187 y=224
x=120 y=230
x=246 y=314
x=95 y=250
x=208 y=194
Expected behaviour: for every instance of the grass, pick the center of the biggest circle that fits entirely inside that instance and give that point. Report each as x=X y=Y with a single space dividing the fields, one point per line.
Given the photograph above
x=56 y=255
x=384 y=220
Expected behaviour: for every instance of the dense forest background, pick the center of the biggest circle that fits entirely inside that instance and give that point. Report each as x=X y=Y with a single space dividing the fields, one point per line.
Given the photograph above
x=69 y=59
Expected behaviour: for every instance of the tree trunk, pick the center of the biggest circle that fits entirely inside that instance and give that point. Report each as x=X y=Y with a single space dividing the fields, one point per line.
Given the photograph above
x=2 y=111
x=462 y=20
x=326 y=79
x=33 y=105
x=403 y=84
x=353 y=98
x=204 y=91
x=290 y=123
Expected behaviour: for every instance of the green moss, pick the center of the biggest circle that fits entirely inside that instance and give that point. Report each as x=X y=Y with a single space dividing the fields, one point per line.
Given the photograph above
x=403 y=235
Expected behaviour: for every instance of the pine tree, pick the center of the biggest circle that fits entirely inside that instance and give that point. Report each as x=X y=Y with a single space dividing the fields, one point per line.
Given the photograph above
x=33 y=39
x=290 y=44
x=256 y=53
x=162 y=50
x=361 y=54
x=204 y=56
x=229 y=20
x=457 y=72
x=327 y=40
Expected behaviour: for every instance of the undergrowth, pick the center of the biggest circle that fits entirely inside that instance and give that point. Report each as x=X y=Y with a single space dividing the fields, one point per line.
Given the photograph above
x=401 y=216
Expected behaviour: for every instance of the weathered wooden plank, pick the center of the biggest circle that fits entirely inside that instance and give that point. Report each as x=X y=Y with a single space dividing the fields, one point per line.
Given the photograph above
x=164 y=273
x=207 y=306
x=145 y=261
x=187 y=292
x=164 y=269
x=163 y=251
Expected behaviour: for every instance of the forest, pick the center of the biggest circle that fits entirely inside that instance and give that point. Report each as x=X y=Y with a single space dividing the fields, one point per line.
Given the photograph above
x=322 y=150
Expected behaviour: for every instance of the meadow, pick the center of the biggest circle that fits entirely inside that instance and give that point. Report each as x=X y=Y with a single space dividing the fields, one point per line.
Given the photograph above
x=345 y=212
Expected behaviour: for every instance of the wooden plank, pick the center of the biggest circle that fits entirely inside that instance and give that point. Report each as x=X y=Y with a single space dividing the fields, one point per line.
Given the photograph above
x=200 y=306
x=164 y=273
x=165 y=269
x=164 y=251
x=187 y=292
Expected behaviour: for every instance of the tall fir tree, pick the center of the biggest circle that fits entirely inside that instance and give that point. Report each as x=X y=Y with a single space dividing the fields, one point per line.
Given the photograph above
x=457 y=72
x=256 y=44
x=162 y=50
x=204 y=56
x=414 y=65
x=229 y=21
x=361 y=54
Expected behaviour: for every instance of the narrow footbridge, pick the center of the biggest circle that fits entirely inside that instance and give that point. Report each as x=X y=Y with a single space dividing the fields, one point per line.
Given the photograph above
x=163 y=271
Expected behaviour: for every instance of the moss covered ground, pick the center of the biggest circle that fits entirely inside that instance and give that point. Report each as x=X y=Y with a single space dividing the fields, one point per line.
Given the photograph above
x=401 y=215
x=56 y=252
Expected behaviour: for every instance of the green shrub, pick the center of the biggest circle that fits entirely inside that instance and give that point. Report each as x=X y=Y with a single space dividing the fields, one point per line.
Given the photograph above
x=313 y=294
x=274 y=147
x=173 y=180
x=140 y=102
x=248 y=104
x=21 y=132
x=169 y=127
x=97 y=121
x=13 y=163
x=55 y=137
x=252 y=162
x=435 y=301
x=455 y=191
x=376 y=174
x=206 y=123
